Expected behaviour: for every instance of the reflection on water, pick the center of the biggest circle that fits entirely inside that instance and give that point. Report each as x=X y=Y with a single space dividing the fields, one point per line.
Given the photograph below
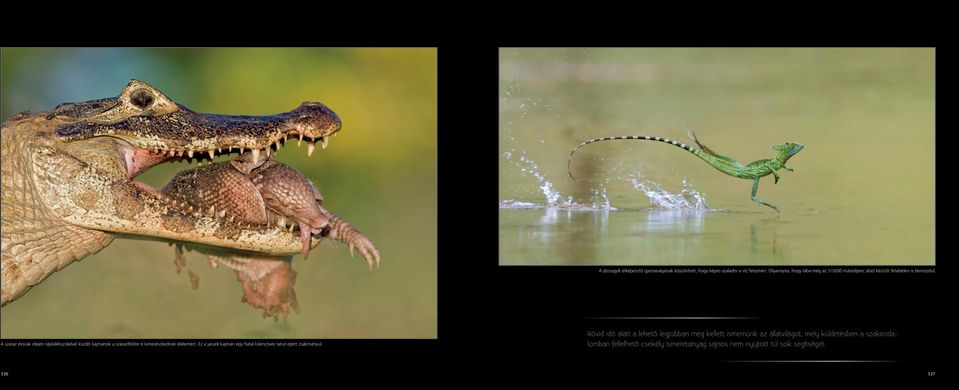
x=267 y=281
x=647 y=236
x=567 y=236
x=553 y=216
x=682 y=220
x=633 y=236
x=762 y=240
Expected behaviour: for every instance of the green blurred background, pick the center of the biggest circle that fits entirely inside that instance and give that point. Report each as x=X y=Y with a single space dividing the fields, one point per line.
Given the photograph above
x=862 y=191
x=379 y=174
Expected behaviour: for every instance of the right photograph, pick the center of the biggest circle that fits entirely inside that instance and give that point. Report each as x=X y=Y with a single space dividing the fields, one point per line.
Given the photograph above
x=717 y=156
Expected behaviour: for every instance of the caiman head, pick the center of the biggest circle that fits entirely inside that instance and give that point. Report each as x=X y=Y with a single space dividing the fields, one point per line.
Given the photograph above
x=69 y=177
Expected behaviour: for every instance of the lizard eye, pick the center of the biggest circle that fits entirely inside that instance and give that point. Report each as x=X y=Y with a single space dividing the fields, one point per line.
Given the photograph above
x=141 y=98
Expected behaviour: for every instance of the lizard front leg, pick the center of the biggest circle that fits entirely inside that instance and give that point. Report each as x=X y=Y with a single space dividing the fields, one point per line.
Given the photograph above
x=773 y=171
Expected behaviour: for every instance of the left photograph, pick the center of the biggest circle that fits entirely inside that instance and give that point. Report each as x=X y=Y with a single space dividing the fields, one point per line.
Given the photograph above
x=218 y=193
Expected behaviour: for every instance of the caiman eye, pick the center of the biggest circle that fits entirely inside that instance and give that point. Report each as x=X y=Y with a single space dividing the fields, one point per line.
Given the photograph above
x=141 y=98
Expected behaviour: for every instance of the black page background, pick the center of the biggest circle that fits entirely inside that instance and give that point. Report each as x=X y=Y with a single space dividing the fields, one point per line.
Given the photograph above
x=530 y=319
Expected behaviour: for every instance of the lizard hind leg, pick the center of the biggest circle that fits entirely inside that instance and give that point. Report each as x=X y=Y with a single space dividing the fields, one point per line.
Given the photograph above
x=707 y=150
x=757 y=200
x=696 y=140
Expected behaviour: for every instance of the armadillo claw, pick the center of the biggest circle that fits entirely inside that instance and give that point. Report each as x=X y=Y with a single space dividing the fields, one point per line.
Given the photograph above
x=366 y=248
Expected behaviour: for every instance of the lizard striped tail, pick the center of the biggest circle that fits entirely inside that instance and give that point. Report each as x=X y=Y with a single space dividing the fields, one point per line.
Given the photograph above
x=688 y=148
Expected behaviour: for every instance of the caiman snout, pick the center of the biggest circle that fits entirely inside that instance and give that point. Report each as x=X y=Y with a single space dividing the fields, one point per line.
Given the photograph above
x=315 y=120
x=316 y=114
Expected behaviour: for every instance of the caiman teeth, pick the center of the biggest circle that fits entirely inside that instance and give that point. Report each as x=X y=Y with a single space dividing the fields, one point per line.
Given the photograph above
x=300 y=141
x=326 y=140
x=189 y=153
x=222 y=213
x=211 y=153
x=310 y=147
x=256 y=154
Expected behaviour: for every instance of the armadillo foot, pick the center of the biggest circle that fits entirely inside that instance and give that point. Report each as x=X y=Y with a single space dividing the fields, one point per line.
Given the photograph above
x=362 y=244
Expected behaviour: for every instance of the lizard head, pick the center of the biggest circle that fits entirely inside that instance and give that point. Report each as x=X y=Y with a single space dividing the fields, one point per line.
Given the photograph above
x=788 y=149
x=80 y=161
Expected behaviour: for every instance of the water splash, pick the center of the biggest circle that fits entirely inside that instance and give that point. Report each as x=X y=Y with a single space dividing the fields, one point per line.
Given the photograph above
x=660 y=198
x=554 y=199
x=601 y=199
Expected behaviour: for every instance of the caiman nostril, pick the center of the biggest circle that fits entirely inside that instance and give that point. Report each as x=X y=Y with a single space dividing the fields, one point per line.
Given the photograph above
x=141 y=98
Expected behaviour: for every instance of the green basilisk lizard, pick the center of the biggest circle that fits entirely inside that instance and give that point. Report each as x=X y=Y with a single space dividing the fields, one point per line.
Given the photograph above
x=725 y=164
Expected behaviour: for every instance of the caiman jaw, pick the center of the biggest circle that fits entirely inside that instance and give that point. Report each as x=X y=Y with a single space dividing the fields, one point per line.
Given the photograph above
x=147 y=141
